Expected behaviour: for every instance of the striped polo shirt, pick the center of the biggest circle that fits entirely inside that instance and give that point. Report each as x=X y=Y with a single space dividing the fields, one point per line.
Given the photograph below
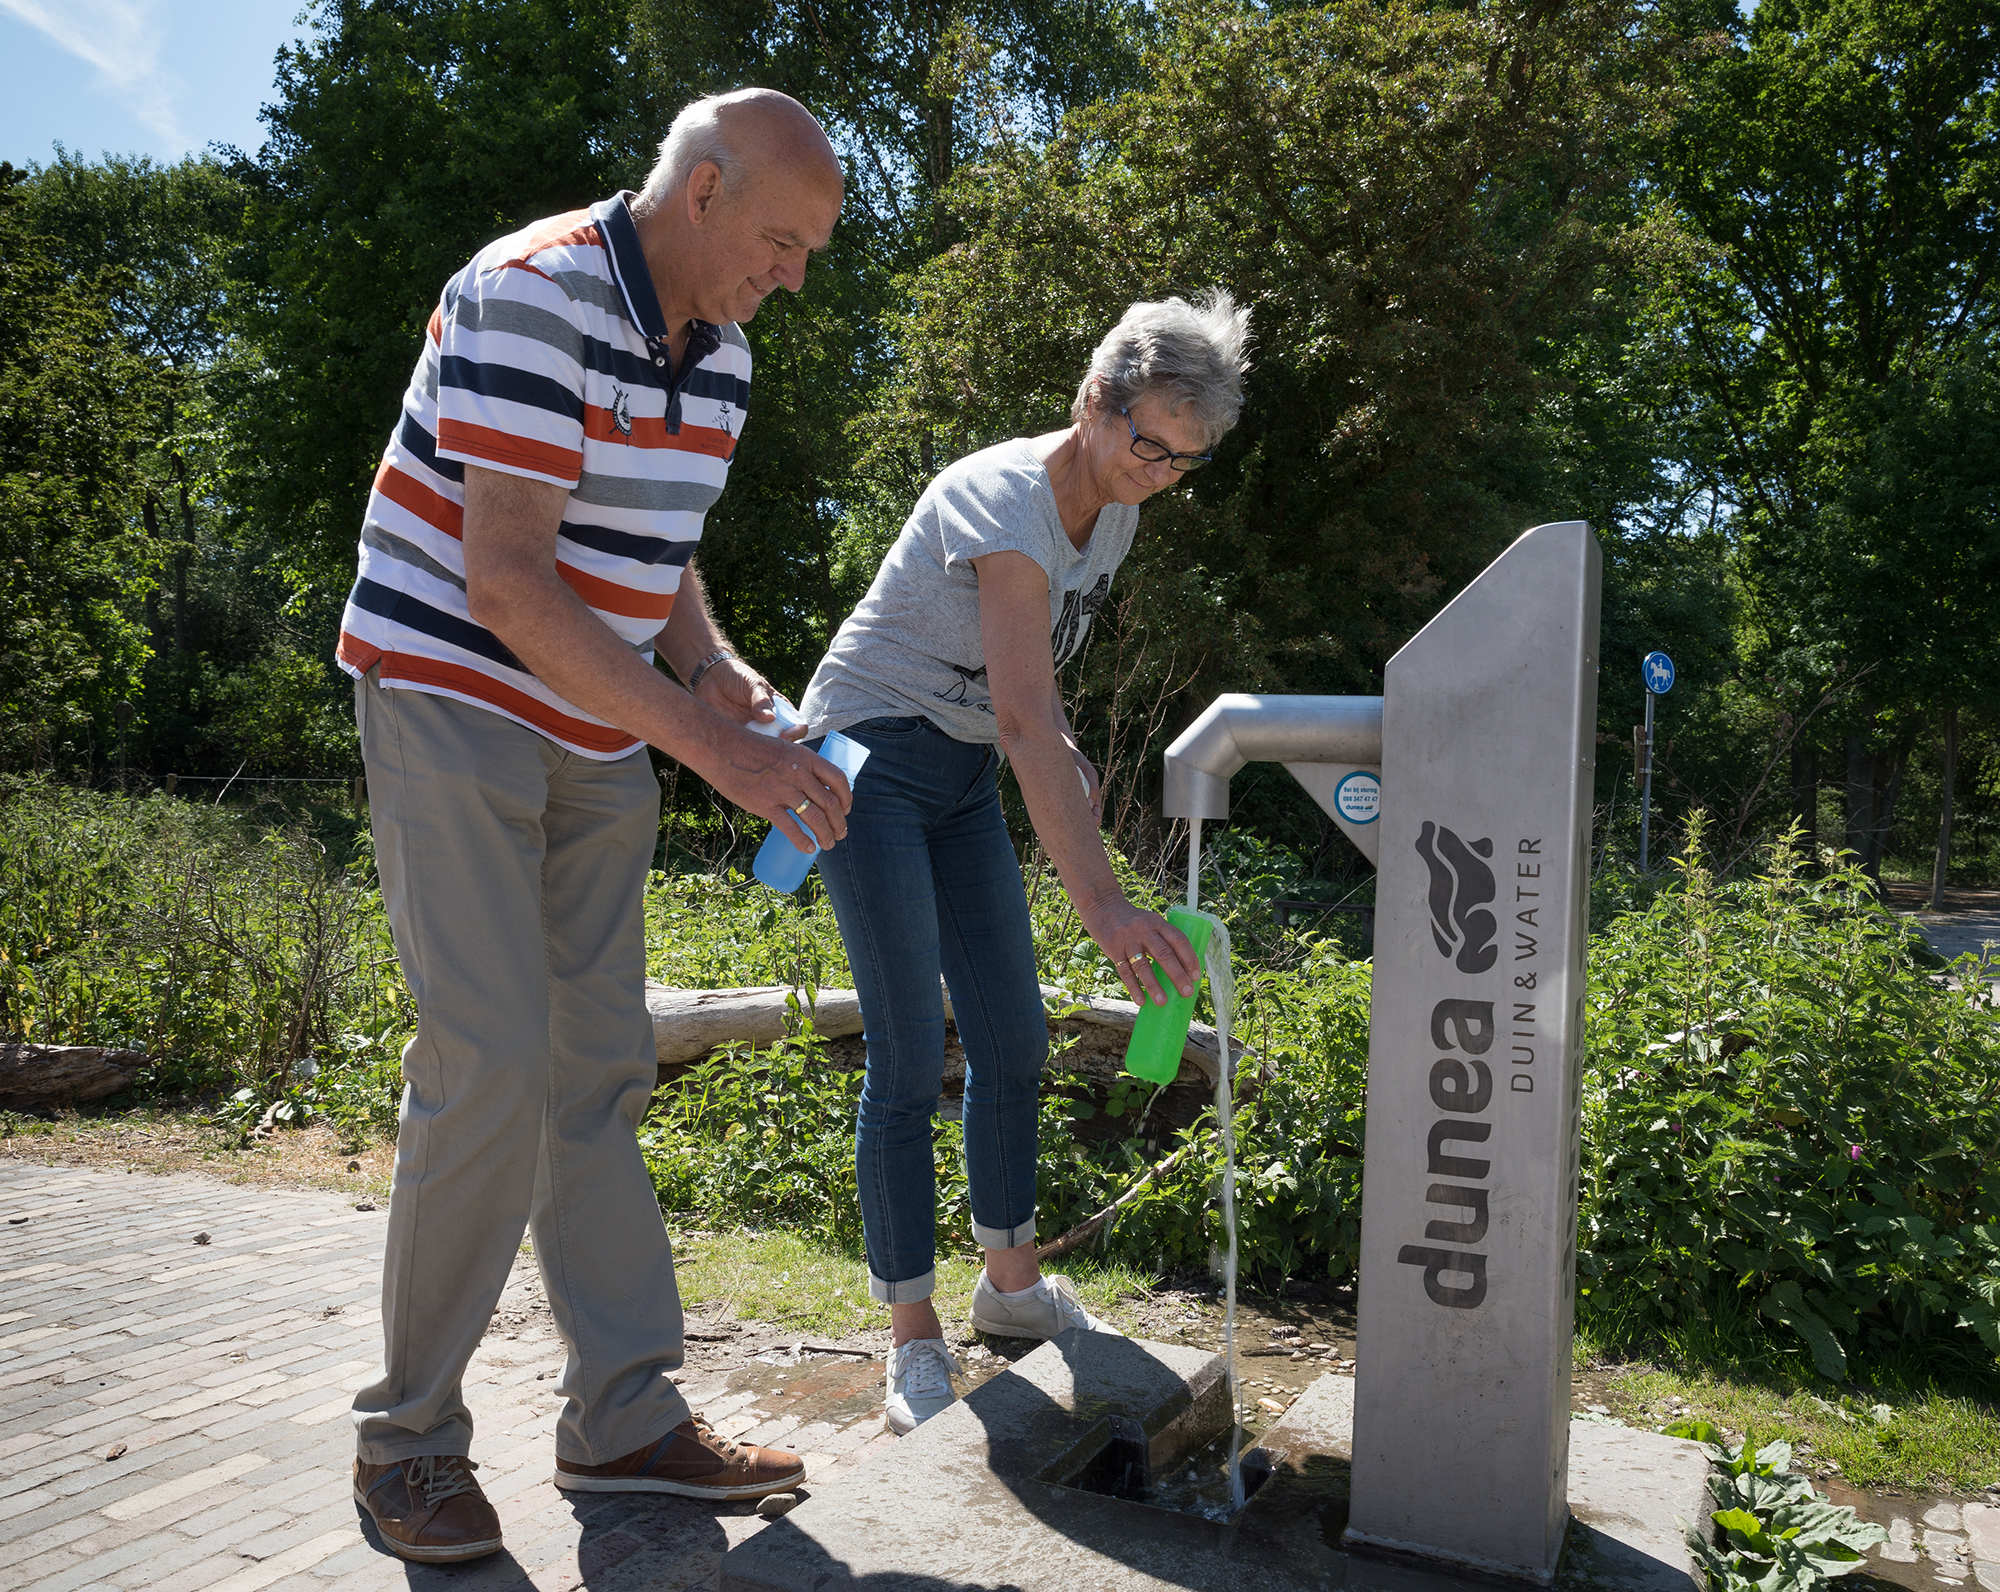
x=546 y=358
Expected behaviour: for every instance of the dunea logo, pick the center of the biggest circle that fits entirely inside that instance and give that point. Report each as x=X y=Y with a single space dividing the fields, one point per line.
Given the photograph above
x=621 y=411
x=1460 y=883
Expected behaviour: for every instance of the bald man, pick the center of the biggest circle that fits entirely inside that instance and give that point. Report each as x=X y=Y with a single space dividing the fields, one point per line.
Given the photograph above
x=525 y=557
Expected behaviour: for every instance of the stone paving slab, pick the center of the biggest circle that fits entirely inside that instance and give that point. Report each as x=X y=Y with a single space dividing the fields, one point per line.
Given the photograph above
x=225 y=1369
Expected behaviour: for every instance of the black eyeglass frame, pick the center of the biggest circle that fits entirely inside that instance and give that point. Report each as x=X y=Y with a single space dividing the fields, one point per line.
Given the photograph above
x=1166 y=454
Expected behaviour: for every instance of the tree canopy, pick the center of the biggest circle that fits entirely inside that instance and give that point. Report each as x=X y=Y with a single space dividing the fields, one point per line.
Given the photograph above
x=1721 y=283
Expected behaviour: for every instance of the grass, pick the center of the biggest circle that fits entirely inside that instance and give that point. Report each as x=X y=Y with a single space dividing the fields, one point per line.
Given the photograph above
x=775 y=1275
x=165 y=1137
x=1917 y=1420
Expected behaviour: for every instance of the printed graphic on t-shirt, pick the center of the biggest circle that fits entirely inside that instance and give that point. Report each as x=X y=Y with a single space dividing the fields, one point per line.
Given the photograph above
x=959 y=693
x=1079 y=608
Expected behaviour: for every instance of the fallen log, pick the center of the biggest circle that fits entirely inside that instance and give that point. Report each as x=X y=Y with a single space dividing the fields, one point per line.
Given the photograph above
x=36 y=1077
x=690 y=1023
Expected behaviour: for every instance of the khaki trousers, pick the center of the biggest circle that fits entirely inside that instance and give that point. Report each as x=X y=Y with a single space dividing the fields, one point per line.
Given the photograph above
x=513 y=873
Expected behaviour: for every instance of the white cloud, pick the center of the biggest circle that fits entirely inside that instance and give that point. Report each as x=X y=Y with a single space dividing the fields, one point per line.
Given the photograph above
x=121 y=39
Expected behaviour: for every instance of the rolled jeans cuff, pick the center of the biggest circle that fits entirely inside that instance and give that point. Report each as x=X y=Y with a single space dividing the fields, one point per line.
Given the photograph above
x=1005 y=1237
x=912 y=1291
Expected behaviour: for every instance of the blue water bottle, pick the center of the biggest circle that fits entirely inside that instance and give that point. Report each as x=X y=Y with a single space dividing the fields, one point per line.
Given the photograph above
x=780 y=864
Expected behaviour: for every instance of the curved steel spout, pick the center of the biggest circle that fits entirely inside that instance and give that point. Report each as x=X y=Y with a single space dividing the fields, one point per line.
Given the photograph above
x=1239 y=728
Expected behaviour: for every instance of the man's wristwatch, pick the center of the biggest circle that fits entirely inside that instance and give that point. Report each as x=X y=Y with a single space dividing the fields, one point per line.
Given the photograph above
x=702 y=668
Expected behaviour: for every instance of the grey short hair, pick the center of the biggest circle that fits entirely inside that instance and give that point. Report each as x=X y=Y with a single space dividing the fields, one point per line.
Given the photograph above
x=695 y=136
x=1189 y=354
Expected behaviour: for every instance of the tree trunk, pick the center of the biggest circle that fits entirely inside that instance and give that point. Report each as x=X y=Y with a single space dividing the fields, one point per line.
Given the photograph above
x=1860 y=795
x=149 y=513
x=1805 y=791
x=1885 y=811
x=1944 y=815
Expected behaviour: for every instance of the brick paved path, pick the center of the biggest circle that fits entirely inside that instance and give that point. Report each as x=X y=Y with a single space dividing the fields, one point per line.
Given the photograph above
x=225 y=1370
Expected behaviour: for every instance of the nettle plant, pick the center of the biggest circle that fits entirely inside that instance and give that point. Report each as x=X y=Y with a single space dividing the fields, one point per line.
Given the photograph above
x=1782 y=1102
x=1773 y=1532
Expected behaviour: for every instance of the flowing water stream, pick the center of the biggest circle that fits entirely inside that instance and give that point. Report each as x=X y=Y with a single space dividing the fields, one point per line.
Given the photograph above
x=1222 y=996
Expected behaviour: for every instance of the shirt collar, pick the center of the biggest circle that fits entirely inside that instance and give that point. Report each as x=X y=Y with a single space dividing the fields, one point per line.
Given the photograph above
x=635 y=280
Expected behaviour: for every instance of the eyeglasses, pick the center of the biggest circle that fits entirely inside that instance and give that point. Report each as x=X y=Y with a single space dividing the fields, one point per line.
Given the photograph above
x=1154 y=452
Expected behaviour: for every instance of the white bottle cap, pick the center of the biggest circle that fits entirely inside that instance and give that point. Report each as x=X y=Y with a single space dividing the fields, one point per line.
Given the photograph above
x=787 y=716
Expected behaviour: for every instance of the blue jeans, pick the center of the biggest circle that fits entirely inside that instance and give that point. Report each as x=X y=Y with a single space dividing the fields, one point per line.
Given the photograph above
x=926 y=882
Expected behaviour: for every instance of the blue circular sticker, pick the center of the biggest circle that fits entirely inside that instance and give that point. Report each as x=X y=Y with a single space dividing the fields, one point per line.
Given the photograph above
x=1358 y=797
x=1657 y=670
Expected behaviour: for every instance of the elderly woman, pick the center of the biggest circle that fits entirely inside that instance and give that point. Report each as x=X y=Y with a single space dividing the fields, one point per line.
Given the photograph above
x=949 y=661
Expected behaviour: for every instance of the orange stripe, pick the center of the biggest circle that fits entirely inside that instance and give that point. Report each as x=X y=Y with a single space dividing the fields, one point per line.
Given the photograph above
x=436 y=327
x=484 y=688
x=363 y=655
x=611 y=598
x=433 y=508
x=503 y=447
x=572 y=226
x=651 y=432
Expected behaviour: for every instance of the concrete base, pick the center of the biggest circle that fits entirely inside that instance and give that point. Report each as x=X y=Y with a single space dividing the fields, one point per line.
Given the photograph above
x=974 y=1497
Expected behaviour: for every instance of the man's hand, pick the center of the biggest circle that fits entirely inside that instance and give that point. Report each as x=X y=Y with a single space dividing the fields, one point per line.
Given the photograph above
x=785 y=783
x=741 y=695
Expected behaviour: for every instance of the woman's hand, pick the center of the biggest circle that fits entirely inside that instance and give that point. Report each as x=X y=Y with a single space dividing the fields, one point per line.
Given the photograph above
x=1134 y=939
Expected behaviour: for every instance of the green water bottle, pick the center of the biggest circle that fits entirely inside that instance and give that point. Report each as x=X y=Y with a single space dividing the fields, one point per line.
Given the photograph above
x=1160 y=1034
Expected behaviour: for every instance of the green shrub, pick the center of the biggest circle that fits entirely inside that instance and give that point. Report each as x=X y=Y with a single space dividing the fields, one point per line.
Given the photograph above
x=768 y=1134
x=1781 y=1105
x=760 y=1134
x=1777 y=1533
x=234 y=954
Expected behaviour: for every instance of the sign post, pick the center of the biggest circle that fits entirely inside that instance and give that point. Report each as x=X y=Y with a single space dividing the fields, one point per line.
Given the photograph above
x=1656 y=669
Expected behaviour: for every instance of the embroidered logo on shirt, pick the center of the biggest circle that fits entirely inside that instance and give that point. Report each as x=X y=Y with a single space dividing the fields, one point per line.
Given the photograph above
x=621 y=411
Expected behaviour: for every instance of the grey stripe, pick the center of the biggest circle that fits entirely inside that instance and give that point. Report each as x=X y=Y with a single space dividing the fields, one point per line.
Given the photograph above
x=523 y=320
x=628 y=492
x=733 y=335
x=591 y=289
x=393 y=546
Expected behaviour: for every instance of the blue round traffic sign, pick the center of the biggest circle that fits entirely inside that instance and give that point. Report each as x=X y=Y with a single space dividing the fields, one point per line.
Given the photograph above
x=1657 y=670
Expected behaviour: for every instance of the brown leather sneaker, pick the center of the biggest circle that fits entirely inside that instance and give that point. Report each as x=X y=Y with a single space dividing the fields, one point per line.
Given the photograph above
x=429 y=1508
x=693 y=1461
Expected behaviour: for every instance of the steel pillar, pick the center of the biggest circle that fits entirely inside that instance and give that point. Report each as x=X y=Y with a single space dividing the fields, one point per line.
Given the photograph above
x=1468 y=1234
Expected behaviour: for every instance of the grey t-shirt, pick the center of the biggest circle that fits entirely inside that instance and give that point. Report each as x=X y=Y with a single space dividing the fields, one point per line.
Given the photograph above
x=912 y=646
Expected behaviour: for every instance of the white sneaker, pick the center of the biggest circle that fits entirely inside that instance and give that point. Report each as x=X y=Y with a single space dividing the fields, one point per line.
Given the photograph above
x=1051 y=1308
x=919 y=1383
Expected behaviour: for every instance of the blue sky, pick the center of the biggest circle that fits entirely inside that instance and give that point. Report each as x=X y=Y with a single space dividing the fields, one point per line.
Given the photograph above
x=156 y=77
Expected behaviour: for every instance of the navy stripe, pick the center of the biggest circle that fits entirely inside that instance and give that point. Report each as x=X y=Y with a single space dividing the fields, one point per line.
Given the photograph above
x=399 y=607
x=623 y=544
x=420 y=445
x=634 y=371
x=603 y=359
x=511 y=384
x=706 y=383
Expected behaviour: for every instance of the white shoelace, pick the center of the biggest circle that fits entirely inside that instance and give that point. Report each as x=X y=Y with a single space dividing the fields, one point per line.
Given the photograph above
x=1069 y=1308
x=927 y=1367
